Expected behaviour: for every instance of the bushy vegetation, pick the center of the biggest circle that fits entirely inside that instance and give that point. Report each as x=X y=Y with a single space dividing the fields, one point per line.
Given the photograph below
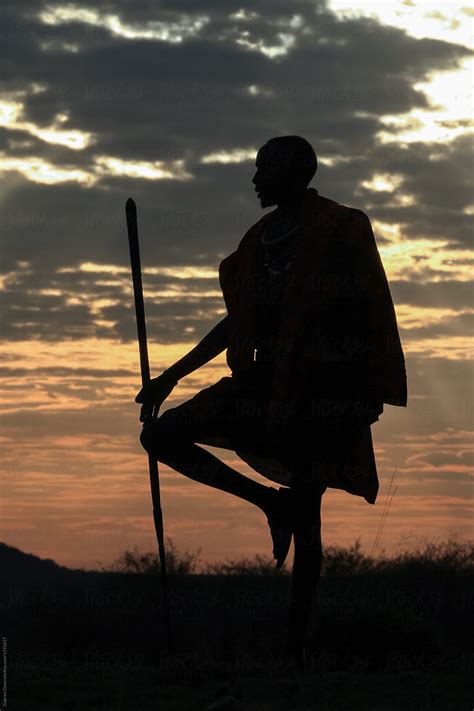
x=134 y=561
x=259 y=565
x=449 y=556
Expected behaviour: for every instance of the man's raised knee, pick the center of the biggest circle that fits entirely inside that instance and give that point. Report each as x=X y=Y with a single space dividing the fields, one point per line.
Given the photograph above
x=157 y=437
x=146 y=437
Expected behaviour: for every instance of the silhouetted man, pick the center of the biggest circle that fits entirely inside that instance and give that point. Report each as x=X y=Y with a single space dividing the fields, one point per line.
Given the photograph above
x=313 y=346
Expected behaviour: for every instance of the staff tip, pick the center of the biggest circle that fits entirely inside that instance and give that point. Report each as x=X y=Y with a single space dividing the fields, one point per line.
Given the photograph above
x=130 y=204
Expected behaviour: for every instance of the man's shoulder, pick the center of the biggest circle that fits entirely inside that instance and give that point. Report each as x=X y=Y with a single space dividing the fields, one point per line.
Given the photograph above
x=249 y=240
x=250 y=235
x=341 y=219
x=345 y=211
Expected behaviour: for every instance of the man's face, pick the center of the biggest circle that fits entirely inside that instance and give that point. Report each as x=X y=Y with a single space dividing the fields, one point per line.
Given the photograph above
x=274 y=177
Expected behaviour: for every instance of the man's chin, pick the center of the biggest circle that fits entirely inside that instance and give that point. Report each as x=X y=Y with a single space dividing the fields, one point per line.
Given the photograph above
x=266 y=201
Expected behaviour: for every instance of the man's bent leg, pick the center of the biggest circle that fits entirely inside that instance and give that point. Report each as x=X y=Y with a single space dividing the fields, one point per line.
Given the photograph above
x=163 y=439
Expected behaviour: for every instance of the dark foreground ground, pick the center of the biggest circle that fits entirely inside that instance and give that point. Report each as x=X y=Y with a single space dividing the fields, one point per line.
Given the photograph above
x=387 y=639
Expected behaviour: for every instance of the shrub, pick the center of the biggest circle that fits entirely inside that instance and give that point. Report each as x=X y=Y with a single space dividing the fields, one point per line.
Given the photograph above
x=134 y=561
x=450 y=556
x=259 y=565
x=343 y=561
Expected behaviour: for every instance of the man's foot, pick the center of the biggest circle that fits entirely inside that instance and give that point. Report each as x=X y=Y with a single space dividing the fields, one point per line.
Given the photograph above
x=280 y=519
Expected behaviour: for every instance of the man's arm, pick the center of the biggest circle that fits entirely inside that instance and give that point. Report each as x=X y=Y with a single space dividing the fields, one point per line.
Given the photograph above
x=153 y=394
x=211 y=345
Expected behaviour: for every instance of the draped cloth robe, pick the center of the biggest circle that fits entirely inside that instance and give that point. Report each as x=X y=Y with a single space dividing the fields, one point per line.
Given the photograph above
x=340 y=354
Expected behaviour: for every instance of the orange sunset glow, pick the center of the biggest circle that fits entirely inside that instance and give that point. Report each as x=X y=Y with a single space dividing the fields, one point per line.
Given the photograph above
x=84 y=128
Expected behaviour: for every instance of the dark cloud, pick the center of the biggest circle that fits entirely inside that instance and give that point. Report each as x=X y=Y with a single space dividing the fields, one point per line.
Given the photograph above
x=443 y=458
x=461 y=324
x=437 y=294
x=27 y=312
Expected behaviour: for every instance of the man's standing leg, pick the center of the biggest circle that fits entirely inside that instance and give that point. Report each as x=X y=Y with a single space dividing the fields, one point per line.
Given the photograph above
x=307 y=560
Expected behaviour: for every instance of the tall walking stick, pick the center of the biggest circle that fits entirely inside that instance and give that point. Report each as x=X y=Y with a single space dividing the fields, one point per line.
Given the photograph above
x=132 y=227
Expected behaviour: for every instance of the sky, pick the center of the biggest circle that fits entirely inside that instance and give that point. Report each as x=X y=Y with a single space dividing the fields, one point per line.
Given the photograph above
x=169 y=102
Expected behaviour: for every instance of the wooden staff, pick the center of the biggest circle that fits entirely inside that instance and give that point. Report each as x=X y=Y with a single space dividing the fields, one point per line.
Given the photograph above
x=132 y=227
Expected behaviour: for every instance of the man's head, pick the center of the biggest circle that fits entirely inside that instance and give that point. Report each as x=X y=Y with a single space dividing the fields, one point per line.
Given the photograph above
x=285 y=166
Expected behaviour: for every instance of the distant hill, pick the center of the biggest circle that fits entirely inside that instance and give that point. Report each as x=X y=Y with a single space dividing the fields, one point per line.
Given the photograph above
x=17 y=566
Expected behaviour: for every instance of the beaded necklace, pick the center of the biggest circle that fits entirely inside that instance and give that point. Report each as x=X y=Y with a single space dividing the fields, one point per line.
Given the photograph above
x=279 y=251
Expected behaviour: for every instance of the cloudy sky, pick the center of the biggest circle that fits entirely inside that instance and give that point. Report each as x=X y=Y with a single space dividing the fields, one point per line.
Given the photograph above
x=169 y=102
